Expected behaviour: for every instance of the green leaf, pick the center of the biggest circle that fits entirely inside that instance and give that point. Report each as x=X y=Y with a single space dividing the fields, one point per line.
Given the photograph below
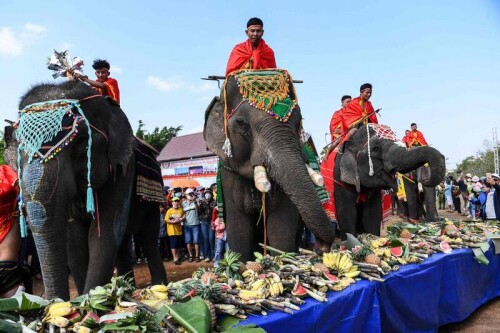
x=193 y=315
x=228 y=323
x=484 y=246
x=8 y=304
x=118 y=327
x=407 y=251
x=480 y=257
x=7 y=326
x=160 y=314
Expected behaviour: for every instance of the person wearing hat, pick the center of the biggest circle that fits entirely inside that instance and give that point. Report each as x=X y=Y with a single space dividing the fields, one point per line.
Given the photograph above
x=359 y=110
x=191 y=225
x=174 y=218
x=465 y=190
x=254 y=53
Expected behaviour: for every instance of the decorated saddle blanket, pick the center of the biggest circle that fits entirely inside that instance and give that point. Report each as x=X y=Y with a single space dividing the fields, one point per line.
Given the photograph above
x=9 y=190
x=271 y=91
x=149 y=182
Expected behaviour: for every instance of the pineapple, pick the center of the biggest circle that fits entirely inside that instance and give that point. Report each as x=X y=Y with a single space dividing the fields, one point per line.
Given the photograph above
x=208 y=277
x=254 y=266
x=213 y=315
x=451 y=230
x=405 y=234
x=320 y=267
x=372 y=259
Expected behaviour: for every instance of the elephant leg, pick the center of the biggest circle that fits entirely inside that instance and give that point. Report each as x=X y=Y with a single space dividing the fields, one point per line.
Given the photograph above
x=430 y=204
x=372 y=213
x=283 y=225
x=347 y=213
x=149 y=240
x=124 y=258
x=78 y=252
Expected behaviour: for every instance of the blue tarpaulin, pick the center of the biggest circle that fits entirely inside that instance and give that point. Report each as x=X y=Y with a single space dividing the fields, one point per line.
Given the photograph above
x=443 y=289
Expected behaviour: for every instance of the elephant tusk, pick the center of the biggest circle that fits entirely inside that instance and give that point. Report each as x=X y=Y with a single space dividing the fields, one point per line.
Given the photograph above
x=262 y=183
x=316 y=177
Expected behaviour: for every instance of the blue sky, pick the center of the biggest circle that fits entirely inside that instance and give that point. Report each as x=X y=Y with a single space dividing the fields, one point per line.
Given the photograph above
x=436 y=63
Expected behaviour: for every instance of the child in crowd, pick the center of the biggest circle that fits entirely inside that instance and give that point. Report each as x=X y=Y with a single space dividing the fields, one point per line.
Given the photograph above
x=220 y=236
x=173 y=219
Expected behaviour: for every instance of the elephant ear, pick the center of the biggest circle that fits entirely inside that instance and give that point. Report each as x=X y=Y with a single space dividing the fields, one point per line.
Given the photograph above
x=424 y=174
x=349 y=169
x=213 y=130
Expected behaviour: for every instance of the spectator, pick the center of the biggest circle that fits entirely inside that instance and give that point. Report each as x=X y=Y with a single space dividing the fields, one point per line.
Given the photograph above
x=494 y=181
x=488 y=212
x=464 y=192
x=173 y=219
x=440 y=196
x=448 y=194
x=191 y=226
x=208 y=235
x=163 y=237
x=220 y=236
x=475 y=202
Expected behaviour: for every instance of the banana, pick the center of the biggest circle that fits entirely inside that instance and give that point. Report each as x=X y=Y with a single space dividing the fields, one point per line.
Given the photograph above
x=159 y=287
x=238 y=283
x=353 y=269
x=334 y=260
x=352 y=274
x=59 y=321
x=59 y=312
x=248 y=273
x=159 y=295
x=342 y=261
x=339 y=258
x=347 y=266
x=257 y=284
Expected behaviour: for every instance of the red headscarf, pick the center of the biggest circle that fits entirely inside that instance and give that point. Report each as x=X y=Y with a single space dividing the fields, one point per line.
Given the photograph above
x=243 y=56
x=8 y=199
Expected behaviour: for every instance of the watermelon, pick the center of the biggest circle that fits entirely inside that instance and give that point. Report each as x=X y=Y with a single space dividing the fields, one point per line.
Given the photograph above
x=330 y=277
x=74 y=318
x=397 y=251
x=299 y=291
x=90 y=320
x=445 y=247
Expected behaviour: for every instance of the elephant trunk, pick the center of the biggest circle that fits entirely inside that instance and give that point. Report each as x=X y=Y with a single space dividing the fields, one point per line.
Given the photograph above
x=399 y=159
x=47 y=215
x=287 y=169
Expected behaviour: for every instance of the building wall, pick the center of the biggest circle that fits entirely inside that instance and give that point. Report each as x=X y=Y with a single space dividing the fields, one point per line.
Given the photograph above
x=203 y=169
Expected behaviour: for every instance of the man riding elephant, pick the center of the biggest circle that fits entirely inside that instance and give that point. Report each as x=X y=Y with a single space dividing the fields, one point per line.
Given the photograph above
x=254 y=53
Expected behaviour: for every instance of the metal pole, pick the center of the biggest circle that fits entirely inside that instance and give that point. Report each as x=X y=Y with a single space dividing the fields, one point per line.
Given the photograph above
x=495 y=150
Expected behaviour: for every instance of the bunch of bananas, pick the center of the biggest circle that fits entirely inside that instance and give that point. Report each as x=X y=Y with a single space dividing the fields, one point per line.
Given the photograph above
x=249 y=276
x=160 y=291
x=247 y=295
x=342 y=263
x=55 y=314
x=271 y=282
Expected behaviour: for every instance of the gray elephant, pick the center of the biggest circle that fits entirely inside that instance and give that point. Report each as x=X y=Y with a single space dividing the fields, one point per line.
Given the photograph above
x=367 y=163
x=266 y=155
x=56 y=186
x=420 y=202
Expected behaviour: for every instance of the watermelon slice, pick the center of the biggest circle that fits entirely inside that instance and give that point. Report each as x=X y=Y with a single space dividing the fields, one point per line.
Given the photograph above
x=299 y=291
x=330 y=277
x=397 y=251
x=445 y=247
x=75 y=317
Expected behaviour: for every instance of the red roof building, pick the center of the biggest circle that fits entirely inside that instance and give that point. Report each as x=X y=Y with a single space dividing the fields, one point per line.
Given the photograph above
x=187 y=157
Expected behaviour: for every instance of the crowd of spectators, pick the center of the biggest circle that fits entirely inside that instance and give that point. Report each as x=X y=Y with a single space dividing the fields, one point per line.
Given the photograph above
x=475 y=197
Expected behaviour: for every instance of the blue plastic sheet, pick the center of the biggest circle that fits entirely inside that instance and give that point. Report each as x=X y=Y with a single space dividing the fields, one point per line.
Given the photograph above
x=443 y=289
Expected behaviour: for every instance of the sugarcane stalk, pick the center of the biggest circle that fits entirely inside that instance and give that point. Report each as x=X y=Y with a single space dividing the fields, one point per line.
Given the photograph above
x=369 y=277
x=307 y=252
x=277 y=307
x=294 y=299
x=171 y=327
x=315 y=296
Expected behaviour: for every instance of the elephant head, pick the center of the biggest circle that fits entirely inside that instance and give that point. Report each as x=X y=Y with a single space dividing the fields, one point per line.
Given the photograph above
x=50 y=186
x=262 y=147
x=372 y=156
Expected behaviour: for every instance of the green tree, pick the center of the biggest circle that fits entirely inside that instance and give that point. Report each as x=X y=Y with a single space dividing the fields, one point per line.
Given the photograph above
x=159 y=137
x=479 y=164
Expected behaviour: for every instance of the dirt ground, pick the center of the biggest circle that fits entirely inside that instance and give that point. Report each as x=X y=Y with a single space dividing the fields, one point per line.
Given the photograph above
x=484 y=319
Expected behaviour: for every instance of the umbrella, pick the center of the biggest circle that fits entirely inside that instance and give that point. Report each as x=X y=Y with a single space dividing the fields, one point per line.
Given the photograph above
x=184 y=182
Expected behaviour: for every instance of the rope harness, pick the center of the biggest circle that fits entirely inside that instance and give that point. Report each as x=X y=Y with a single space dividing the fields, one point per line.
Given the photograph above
x=40 y=123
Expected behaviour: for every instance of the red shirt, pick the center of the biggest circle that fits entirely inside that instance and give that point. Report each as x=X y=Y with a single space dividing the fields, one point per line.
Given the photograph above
x=243 y=56
x=336 y=123
x=111 y=89
x=354 y=113
x=415 y=138
x=9 y=190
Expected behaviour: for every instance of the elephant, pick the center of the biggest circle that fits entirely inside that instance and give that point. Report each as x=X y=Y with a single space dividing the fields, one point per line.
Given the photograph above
x=420 y=200
x=55 y=190
x=263 y=146
x=366 y=163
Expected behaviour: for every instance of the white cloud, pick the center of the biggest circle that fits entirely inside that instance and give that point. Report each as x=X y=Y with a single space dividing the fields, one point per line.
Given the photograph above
x=163 y=85
x=194 y=130
x=9 y=44
x=116 y=70
x=34 y=29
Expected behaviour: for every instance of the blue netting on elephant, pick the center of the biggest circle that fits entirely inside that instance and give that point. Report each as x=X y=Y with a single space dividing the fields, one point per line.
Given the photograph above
x=40 y=123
